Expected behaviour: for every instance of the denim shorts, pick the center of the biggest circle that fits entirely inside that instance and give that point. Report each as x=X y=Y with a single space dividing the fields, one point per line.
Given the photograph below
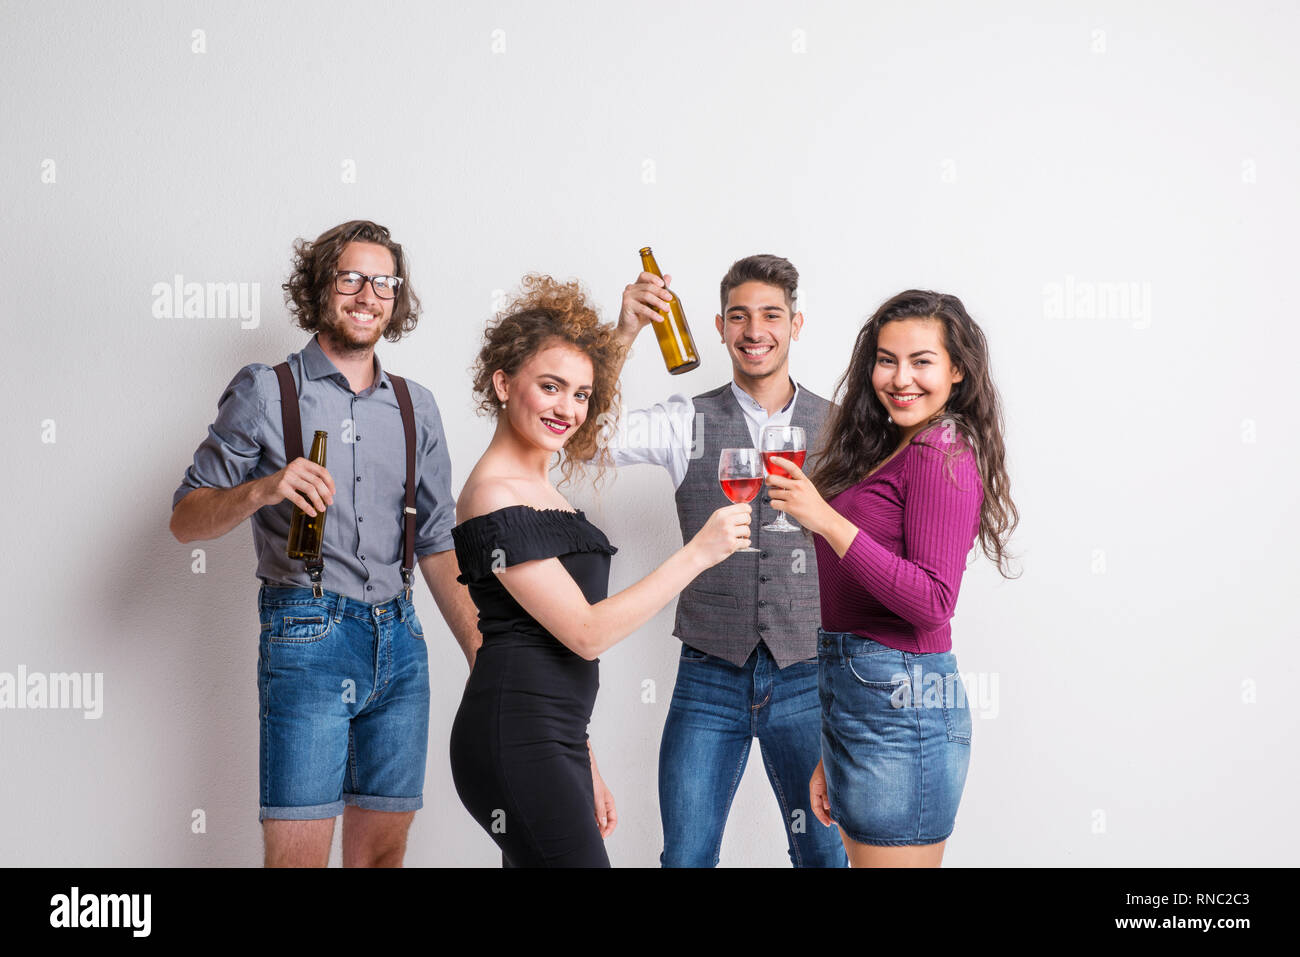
x=343 y=694
x=896 y=732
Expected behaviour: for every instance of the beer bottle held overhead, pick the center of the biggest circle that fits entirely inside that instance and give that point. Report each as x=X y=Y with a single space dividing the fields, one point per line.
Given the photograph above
x=307 y=532
x=673 y=333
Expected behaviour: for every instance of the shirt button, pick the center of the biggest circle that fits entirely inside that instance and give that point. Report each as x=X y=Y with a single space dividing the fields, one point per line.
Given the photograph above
x=764 y=578
x=762 y=554
x=358 y=478
x=762 y=603
x=370 y=588
x=360 y=519
x=362 y=557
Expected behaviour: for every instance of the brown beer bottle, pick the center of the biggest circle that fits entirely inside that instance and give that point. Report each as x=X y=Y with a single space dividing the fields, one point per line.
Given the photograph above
x=306 y=532
x=673 y=333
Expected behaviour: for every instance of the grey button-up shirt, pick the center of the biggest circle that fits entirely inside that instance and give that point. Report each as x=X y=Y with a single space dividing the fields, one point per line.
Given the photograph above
x=366 y=456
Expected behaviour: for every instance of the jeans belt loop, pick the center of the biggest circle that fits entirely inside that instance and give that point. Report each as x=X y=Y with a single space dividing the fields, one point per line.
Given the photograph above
x=338 y=607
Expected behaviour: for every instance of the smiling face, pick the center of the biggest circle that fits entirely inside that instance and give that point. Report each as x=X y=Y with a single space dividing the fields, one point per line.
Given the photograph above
x=913 y=375
x=547 y=398
x=357 y=321
x=758 y=329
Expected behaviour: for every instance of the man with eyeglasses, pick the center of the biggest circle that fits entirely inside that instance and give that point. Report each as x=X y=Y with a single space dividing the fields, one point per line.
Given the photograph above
x=343 y=681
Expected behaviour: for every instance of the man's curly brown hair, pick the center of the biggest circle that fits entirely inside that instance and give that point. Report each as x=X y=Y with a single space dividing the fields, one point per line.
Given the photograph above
x=548 y=313
x=307 y=293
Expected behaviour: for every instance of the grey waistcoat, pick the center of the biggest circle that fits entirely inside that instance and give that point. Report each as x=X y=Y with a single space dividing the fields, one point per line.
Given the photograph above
x=770 y=595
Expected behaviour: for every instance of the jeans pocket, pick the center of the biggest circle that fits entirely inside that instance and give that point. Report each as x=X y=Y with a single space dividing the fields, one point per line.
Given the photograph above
x=300 y=623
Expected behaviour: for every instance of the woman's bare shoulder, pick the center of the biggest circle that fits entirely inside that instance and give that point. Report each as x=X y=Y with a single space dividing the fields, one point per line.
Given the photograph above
x=487 y=493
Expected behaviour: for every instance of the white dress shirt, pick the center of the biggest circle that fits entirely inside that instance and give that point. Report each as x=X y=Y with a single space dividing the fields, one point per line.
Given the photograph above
x=661 y=434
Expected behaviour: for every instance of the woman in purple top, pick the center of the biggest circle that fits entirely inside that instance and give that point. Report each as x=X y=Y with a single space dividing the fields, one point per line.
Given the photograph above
x=911 y=473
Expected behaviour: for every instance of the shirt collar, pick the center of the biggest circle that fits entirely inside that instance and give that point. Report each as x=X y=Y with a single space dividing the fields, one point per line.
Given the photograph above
x=317 y=365
x=747 y=401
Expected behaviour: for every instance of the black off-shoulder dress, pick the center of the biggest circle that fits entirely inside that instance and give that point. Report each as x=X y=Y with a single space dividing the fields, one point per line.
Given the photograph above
x=519 y=742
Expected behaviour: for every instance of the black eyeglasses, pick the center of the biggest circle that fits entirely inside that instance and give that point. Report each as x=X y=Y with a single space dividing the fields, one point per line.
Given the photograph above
x=349 y=282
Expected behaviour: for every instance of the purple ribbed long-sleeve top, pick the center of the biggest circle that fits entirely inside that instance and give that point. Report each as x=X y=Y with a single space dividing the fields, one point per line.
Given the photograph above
x=898 y=582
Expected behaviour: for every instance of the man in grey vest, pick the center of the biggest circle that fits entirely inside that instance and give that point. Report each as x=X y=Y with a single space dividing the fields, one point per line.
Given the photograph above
x=343 y=681
x=748 y=625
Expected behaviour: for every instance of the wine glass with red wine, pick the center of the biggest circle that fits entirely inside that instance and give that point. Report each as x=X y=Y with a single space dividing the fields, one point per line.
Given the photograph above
x=787 y=441
x=741 y=476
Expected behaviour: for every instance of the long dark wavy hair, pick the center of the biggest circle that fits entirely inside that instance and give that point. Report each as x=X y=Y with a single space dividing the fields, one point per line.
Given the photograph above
x=547 y=313
x=307 y=293
x=860 y=435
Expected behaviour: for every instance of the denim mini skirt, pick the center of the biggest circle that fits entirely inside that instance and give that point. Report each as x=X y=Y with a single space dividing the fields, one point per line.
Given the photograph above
x=896 y=730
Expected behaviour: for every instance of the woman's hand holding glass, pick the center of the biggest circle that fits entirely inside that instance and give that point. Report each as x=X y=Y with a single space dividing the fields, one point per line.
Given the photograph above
x=726 y=531
x=740 y=472
x=795 y=495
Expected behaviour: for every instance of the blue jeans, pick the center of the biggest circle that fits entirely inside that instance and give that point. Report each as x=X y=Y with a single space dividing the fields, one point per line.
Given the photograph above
x=716 y=712
x=343 y=687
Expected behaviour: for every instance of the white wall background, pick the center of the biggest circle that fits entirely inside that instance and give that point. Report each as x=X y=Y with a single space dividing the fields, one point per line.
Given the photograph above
x=1145 y=663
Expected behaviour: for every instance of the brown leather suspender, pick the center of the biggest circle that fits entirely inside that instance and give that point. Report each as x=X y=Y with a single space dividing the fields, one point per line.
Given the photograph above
x=408 y=511
x=293 y=450
x=289 y=416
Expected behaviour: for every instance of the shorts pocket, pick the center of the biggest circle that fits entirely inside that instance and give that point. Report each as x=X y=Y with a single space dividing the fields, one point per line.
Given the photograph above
x=414 y=626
